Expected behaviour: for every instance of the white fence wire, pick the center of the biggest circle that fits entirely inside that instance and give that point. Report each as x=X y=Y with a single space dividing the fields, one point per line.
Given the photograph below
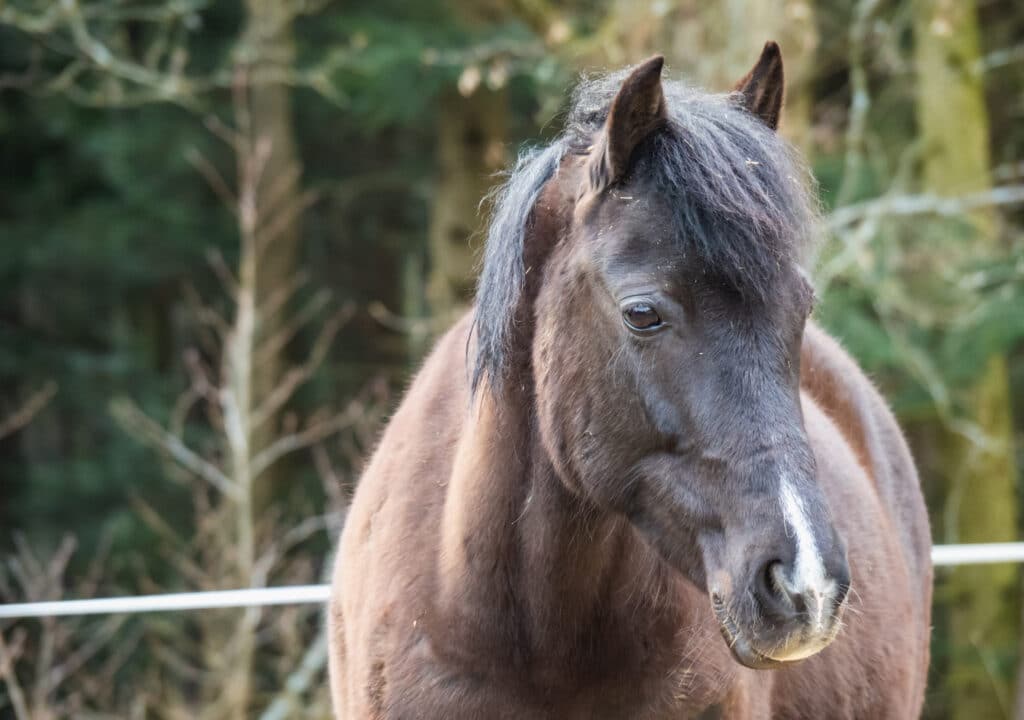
x=252 y=597
x=942 y=555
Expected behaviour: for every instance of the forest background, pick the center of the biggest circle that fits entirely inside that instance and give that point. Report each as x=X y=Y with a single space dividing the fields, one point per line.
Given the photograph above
x=230 y=230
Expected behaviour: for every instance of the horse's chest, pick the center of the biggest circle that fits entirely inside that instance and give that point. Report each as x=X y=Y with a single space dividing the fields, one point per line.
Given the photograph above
x=641 y=677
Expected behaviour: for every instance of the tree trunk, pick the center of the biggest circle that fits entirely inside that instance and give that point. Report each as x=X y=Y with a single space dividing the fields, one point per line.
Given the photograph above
x=269 y=35
x=981 y=477
x=471 y=136
x=270 y=208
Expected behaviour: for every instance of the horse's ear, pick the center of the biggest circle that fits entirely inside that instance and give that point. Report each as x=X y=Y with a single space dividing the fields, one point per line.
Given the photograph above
x=762 y=87
x=637 y=110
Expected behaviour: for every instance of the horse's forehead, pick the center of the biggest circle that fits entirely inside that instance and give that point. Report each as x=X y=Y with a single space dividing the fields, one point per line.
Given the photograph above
x=632 y=218
x=632 y=229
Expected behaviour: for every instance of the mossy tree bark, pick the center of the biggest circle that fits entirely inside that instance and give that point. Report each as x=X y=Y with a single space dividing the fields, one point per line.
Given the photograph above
x=270 y=206
x=470 y=151
x=269 y=35
x=980 y=476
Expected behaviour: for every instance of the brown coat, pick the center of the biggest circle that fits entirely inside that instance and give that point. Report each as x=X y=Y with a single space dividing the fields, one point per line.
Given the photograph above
x=425 y=617
x=650 y=450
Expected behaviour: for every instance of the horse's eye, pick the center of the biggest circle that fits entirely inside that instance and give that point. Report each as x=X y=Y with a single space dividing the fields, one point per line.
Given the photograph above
x=641 y=316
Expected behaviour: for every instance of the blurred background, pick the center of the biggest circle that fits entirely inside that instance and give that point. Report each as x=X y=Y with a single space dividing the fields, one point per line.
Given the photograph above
x=230 y=231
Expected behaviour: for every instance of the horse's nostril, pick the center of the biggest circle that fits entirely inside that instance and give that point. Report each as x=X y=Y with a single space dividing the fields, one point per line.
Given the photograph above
x=771 y=588
x=777 y=596
x=771 y=576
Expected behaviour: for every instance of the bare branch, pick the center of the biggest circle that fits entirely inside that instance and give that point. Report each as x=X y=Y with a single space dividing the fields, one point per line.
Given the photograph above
x=1009 y=171
x=200 y=375
x=32 y=24
x=297 y=535
x=211 y=328
x=213 y=178
x=281 y=188
x=28 y=410
x=289 y=700
x=860 y=98
x=334 y=488
x=137 y=423
x=231 y=137
x=181 y=409
x=14 y=689
x=285 y=217
x=173 y=88
x=97 y=563
x=415 y=327
x=85 y=652
x=224 y=274
x=299 y=375
x=925 y=204
x=307 y=437
x=59 y=562
x=999 y=58
x=281 y=295
x=272 y=345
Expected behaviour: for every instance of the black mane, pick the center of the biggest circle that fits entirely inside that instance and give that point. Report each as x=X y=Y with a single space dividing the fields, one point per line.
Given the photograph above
x=742 y=199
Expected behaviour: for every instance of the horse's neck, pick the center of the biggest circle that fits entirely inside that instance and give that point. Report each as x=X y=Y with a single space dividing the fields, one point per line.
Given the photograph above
x=523 y=561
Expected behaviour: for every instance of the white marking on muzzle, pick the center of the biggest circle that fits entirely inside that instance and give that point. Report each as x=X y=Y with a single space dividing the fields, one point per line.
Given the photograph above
x=808 y=577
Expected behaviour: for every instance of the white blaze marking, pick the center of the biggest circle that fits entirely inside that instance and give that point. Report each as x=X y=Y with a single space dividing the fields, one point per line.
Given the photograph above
x=808 y=577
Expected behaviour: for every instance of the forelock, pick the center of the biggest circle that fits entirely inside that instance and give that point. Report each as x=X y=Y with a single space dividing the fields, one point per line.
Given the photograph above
x=741 y=201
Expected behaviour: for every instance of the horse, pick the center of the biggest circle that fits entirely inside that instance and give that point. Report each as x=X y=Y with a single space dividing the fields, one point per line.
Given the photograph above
x=636 y=480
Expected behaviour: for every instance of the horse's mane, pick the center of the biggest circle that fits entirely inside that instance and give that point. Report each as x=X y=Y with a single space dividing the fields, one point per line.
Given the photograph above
x=742 y=200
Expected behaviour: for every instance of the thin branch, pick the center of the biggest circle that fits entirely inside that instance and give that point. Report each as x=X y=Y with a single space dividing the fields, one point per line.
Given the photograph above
x=1009 y=171
x=14 y=689
x=224 y=273
x=231 y=137
x=281 y=295
x=307 y=437
x=415 y=327
x=137 y=423
x=181 y=409
x=213 y=178
x=32 y=24
x=925 y=204
x=85 y=652
x=334 y=488
x=289 y=700
x=173 y=88
x=284 y=219
x=300 y=374
x=281 y=188
x=271 y=346
x=28 y=410
x=998 y=58
x=860 y=99
x=94 y=573
x=297 y=535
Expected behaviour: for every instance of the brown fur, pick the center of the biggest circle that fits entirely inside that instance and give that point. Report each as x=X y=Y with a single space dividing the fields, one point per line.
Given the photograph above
x=457 y=598
x=477 y=578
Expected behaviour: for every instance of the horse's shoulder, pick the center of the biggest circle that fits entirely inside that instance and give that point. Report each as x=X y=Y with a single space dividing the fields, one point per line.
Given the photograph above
x=399 y=496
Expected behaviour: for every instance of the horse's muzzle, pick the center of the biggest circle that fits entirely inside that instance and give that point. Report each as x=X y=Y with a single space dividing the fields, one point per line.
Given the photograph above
x=780 y=619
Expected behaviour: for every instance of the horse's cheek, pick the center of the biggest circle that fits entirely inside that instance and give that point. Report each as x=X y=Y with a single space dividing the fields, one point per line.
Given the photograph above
x=557 y=411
